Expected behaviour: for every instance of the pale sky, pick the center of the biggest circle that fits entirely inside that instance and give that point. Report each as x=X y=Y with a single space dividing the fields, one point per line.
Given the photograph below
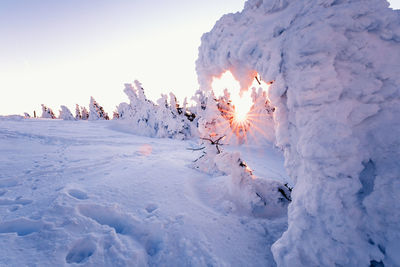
x=62 y=52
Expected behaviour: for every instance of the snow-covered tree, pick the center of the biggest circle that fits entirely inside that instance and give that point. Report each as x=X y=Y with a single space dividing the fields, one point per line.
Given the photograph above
x=47 y=113
x=211 y=123
x=78 y=115
x=115 y=114
x=85 y=113
x=259 y=197
x=200 y=98
x=65 y=114
x=96 y=111
x=164 y=119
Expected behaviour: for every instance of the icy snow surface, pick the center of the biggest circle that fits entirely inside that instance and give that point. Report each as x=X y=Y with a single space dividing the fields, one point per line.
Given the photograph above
x=335 y=66
x=80 y=192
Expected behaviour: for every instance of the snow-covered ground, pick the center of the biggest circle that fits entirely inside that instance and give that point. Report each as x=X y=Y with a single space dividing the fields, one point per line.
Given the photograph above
x=79 y=192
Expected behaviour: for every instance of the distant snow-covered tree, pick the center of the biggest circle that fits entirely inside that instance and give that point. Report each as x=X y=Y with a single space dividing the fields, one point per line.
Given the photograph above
x=47 y=113
x=85 y=113
x=115 y=114
x=96 y=111
x=78 y=115
x=65 y=114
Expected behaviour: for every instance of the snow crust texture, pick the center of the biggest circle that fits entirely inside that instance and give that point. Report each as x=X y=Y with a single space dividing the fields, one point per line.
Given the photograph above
x=82 y=193
x=335 y=67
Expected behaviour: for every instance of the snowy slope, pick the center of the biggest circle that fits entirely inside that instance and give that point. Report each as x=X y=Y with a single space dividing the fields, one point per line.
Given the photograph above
x=79 y=192
x=335 y=67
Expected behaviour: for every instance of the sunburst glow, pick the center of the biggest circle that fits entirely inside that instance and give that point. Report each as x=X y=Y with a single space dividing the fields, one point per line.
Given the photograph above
x=242 y=102
x=239 y=111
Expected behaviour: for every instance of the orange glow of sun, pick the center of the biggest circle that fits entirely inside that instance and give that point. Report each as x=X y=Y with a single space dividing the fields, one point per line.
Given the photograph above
x=239 y=114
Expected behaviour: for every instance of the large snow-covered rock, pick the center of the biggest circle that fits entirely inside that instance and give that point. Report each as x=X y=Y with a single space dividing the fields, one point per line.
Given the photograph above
x=335 y=67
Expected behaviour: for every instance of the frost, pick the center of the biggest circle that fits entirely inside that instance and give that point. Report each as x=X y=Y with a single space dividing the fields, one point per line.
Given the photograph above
x=164 y=119
x=337 y=102
x=65 y=114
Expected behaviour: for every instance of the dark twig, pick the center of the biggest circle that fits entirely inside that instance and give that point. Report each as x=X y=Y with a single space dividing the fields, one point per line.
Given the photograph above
x=200 y=157
x=288 y=198
x=196 y=149
x=214 y=142
x=263 y=199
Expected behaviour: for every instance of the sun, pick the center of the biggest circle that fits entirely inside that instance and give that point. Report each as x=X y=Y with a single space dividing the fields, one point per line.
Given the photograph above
x=240 y=115
x=242 y=102
x=242 y=106
x=238 y=105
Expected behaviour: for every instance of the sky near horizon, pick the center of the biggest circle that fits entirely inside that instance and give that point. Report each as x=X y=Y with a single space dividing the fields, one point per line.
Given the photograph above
x=62 y=52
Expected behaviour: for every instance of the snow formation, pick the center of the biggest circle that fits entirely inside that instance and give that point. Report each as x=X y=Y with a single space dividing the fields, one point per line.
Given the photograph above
x=154 y=120
x=65 y=114
x=96 y=112
x=335 y=66
x=47 y=113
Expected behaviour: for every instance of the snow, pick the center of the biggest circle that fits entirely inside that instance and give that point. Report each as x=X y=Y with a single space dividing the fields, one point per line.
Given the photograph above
x=88 y=193
x=65 y=114
x=335 y=68
x=148 y=119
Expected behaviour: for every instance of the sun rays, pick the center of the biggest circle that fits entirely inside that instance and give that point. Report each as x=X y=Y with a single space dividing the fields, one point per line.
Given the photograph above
x=239 y=109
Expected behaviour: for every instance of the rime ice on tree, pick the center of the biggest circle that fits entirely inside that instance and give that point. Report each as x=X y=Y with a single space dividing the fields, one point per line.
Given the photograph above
x=96 y=111
x=47 y=113
x=335 y=67
x=65 y=114
x=147 y=118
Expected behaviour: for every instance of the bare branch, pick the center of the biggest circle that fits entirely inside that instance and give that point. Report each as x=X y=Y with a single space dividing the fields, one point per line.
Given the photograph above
x=214 y=142
x=196 y=149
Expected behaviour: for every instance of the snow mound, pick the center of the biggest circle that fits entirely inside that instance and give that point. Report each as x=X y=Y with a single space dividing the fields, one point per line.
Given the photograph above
x=11 y=118
x=335 y=69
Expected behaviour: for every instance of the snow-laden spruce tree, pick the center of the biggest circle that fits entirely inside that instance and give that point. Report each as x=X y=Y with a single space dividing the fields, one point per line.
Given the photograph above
x=336 y=91
x=257 y=197
x=260 y=118
x=171 y=119
x=47 y=112
x=65 y=114
x=140 y=112
x=96 y=112
x=78 y=115
x=85 y=113
x=149 y=119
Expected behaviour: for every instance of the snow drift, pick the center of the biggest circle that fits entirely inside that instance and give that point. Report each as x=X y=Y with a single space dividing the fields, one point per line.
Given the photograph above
x=335 y=66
